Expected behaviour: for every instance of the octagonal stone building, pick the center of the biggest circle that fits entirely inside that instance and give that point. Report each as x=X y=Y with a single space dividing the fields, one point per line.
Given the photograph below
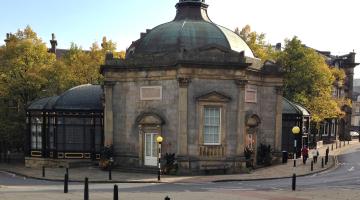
x=199 y=86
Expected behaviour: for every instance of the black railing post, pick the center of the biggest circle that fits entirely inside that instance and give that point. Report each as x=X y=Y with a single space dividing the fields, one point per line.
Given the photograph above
x=86 y=189
x=312 y=165
x=294 y=182
x=67 y=171
x=43 y=171
x=110 y=177
x=116 y=192
x=66 y=182
x=294 y=163
x=322 y=162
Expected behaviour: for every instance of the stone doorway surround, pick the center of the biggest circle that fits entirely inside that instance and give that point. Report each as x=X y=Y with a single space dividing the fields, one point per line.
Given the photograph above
x=148 y=123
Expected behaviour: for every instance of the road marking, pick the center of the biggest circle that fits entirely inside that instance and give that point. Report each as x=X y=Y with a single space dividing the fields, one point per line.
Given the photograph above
x=351 y=169
x=231 y=189
x=239 y=189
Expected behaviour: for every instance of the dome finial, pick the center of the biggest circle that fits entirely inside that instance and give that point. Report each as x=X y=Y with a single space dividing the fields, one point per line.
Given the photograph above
x=192 y=9
x=202 y=1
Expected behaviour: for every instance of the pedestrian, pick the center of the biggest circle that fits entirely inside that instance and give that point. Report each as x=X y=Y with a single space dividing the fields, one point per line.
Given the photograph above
x=327 y=155
x=305 y=154
x=327 y=152
x=315 y=154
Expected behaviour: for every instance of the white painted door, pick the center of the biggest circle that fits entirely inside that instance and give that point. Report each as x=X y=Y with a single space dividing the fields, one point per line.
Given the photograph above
x=150 y=149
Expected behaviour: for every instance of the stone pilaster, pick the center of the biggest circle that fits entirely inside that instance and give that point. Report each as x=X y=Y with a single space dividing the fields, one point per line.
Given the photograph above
x=240 y=127
x=108 y=114
x=182 y=138
x=278 y=118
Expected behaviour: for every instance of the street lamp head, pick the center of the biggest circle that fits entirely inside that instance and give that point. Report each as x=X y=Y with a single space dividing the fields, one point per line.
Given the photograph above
x=295 y=130
x=159 y=139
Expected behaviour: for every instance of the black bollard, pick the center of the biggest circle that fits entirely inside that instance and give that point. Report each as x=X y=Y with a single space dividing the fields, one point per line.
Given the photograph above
x=116 y=192
x=167 y=198
x=312 y=165
x=322 y=162
x=43 y=171
x=110 y=177
x=67 y=171
x=294 y=182
x=86 y=189
x=326 y=159
x=294 y=163
x=66 y=183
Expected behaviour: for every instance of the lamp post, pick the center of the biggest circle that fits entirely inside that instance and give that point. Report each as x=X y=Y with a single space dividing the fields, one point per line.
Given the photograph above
x=295 y=130
x=159 y=140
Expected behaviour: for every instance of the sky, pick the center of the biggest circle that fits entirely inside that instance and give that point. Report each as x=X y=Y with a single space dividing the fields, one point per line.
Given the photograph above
x=327 y=25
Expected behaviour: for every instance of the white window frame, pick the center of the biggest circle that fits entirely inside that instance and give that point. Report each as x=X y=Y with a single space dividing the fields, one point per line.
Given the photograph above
x=36 y=133
x=151 y=98
x=357 y=109
x=219 y=126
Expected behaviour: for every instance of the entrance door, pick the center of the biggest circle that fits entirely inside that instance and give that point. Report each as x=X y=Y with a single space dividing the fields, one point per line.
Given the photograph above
x=150 y=149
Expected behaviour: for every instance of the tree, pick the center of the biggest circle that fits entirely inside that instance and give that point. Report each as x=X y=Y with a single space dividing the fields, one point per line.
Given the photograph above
x=28 y=71
x=308 y=80
x=257 y=43
x=78 y=67
x=25 y=68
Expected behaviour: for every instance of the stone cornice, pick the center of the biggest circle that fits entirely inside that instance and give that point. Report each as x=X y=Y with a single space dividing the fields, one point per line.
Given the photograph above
x=109 y=83
x=241 y=82
x=184 y=82
x=176 y=65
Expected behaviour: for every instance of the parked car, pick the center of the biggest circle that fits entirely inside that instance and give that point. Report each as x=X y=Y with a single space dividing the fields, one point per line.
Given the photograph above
x=354 y=134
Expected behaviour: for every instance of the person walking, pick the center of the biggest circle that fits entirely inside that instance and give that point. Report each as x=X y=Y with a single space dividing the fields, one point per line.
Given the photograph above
x=305 y=154
x=315 y=154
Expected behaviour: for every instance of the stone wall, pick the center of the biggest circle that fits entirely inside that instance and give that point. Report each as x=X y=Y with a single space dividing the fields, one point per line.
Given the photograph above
x=197 y=81
x=127 y=107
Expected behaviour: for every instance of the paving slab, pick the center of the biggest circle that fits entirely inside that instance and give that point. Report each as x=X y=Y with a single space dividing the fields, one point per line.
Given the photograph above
x=96 y=175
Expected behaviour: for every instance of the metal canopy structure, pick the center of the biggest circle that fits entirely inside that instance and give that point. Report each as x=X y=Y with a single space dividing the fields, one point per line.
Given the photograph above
x=68 y=126
x=294 y=115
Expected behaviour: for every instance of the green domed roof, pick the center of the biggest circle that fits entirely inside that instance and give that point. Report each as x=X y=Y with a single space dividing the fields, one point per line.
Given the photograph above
x=80 y=98
x=191 y=29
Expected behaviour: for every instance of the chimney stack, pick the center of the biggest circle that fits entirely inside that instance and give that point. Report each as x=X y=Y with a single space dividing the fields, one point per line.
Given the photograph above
x=7 y=39
x=104 y=43
x=53 y=43
x=278 y=46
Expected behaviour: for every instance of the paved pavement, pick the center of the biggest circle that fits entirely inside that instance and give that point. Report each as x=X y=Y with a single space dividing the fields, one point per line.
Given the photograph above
x=96 y=175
